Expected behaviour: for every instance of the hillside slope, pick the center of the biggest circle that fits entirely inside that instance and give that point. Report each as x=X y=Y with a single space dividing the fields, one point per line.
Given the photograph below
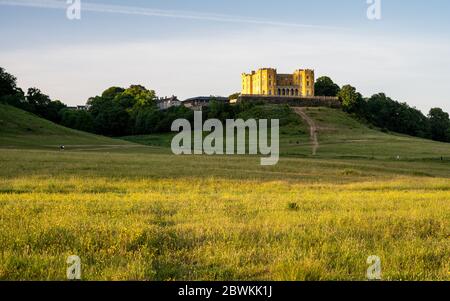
x=19 y=128
x=337 y=134
x=340 y=135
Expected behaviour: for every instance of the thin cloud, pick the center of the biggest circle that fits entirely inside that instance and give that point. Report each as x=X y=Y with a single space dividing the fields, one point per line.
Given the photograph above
x=133 y=10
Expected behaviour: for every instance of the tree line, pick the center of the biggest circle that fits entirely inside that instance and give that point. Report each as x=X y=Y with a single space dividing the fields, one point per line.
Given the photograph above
x=133 y=111
x=116 y=112
x=387 y=113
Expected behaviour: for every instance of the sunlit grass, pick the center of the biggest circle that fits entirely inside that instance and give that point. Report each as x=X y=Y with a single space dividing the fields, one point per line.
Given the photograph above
x=218 y=229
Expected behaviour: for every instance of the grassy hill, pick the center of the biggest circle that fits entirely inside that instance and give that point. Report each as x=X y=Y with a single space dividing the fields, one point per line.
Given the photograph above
x=342 y=136
x=339 y=136
x=20 y=129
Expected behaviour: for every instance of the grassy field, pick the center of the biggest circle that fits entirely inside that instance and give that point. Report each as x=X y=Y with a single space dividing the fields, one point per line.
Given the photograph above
x=139 y=213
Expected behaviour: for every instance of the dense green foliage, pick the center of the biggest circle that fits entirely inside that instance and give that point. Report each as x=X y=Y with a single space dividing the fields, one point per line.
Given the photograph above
x=41 y=105
x=81 y=120
x=390 y=115
x=324 y=86
x=352 y=101
x=384 y=112
x=439 y=125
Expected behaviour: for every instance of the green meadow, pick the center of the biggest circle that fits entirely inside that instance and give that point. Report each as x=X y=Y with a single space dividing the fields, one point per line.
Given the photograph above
x=133 y=211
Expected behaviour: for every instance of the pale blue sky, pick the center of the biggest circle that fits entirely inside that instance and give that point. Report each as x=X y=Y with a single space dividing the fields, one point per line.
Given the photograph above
x=200 y=47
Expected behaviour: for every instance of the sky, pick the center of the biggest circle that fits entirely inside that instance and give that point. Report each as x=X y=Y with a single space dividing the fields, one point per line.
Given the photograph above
x=200 y=47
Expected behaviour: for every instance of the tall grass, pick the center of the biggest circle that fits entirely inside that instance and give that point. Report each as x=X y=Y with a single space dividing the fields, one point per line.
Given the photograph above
x=223 y=229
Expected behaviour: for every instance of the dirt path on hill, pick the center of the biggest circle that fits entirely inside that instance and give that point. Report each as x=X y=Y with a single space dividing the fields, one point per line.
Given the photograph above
x=312 y=128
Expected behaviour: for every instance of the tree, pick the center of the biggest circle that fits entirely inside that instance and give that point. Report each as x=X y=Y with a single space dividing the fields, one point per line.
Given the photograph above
x=37 y=102
x=120 y=112
x=352 y=101
x=168 y=116
x=7 y=83
x=53 y=110
x=219 y=110
x=36 y=98
x=41 y=105
x=109 y=113
x=387 y=113
x=9 y=92
x=146 y=121
x=439 y=125
x=16 y=100
x=141 y=95
x=77 y=119
x=324 y=86
x=110 y=93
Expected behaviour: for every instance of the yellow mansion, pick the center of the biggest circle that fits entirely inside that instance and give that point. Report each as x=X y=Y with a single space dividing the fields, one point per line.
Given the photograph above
x=266 y=81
